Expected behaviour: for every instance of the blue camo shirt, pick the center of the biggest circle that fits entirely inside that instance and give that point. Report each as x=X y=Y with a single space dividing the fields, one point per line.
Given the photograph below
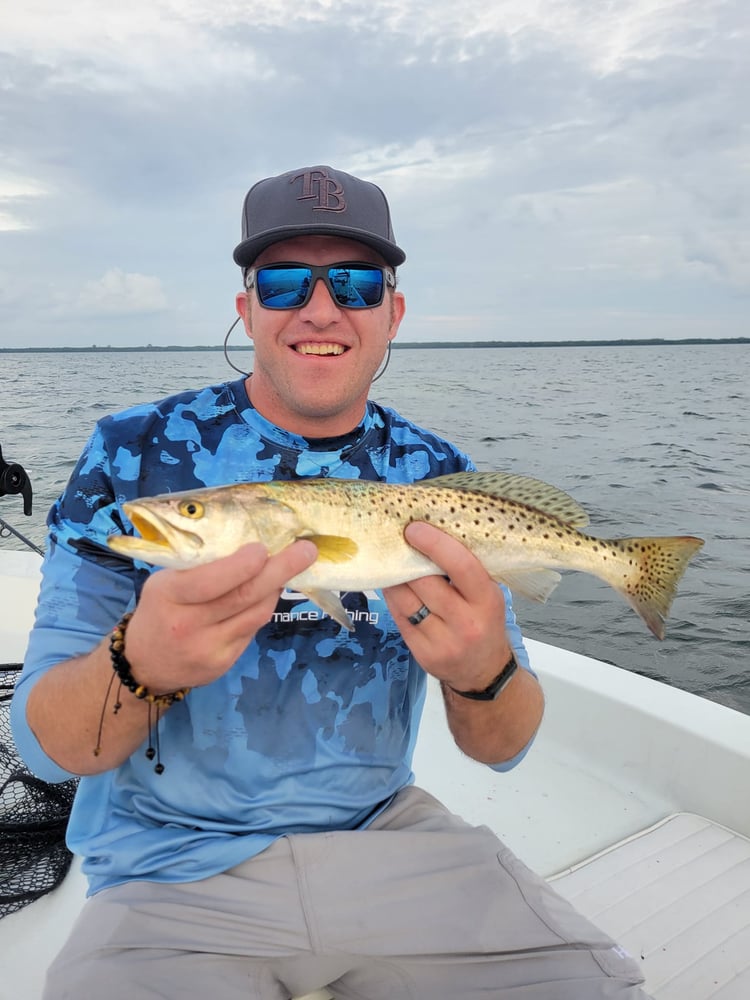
x=312 y=729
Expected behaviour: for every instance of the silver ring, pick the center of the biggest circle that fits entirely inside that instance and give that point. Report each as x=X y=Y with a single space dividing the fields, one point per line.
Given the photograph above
x=419 y=616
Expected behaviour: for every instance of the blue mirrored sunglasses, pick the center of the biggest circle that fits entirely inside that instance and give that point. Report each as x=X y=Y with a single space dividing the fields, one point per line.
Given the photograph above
x=289 y=286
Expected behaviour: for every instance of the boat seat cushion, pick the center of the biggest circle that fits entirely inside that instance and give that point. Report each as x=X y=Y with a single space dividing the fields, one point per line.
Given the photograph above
x=677 y=897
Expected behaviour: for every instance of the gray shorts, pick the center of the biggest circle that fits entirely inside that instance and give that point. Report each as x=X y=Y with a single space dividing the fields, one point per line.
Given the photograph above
x=420 y=906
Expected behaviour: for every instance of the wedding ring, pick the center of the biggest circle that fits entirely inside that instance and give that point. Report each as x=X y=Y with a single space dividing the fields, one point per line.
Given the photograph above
x=419 y=616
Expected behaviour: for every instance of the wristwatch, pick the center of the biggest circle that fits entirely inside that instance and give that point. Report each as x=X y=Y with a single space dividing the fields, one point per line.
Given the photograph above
x=492 y=690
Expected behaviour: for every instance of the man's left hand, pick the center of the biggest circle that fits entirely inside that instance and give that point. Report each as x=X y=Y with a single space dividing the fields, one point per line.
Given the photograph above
x=462 y=641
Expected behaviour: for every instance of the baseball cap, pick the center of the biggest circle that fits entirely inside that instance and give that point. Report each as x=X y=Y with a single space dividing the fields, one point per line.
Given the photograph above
x=316 y=201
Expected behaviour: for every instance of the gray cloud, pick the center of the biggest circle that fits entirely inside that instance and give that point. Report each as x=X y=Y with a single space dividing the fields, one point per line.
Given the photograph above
x=564 y=172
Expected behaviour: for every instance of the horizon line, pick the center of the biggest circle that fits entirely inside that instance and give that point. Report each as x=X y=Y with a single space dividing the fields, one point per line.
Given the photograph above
x=408 y=345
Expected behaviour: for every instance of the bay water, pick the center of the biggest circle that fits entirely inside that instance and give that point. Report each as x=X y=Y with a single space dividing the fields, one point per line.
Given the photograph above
x=650 y=440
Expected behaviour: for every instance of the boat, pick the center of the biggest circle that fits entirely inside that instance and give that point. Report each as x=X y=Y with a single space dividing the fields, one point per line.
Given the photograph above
x=634 y=802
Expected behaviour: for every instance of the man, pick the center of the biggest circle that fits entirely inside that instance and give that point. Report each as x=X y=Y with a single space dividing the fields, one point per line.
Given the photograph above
x=247 y=819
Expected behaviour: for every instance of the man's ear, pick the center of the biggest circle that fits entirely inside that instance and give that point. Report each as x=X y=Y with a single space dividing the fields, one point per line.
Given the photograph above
x=242 y=305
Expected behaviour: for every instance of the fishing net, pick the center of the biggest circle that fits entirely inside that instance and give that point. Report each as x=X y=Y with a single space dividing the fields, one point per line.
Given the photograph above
x=33 y=818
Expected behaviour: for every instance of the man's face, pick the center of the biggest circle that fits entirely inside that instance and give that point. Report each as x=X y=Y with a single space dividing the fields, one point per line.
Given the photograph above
x=314 y=365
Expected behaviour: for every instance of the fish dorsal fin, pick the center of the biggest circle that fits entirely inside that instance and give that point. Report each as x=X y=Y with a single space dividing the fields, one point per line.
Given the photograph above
x=521 y=489
x=334 y=548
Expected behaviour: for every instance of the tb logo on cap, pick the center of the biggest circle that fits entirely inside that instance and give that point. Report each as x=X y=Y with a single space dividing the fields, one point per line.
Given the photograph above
x=326 y=189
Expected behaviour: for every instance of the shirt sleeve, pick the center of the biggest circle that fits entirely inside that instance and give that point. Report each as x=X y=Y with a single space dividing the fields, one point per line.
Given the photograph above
x=85 y=589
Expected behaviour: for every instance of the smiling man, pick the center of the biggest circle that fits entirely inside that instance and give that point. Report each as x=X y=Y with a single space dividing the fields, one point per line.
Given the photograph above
x=315 y=357
x=247 y=817
x=319 y=335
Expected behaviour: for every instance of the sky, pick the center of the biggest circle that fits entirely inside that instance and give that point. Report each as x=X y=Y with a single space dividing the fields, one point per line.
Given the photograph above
x=556 y=169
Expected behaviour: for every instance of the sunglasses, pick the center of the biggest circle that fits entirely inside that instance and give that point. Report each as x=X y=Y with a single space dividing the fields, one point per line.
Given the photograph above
x=289 y=286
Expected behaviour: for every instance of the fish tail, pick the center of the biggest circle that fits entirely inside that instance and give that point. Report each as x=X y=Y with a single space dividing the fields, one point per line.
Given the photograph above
x=653 y=568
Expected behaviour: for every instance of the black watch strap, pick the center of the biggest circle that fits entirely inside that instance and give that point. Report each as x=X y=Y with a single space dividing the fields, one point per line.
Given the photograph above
x=492 y=690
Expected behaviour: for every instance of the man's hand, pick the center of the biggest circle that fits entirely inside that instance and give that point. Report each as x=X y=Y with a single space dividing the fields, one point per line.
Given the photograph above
x=463 y=643
x=198 y=621
x=188 y=628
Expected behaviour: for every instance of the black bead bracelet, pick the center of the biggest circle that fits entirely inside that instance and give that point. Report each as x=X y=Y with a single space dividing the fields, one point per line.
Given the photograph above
x=121 y=667
x=122 y=671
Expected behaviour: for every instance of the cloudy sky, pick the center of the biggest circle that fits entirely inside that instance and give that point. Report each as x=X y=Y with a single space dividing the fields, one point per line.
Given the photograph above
x=556 y=168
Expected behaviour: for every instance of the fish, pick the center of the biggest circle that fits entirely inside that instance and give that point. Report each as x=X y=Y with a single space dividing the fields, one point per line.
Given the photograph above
x=521 y=529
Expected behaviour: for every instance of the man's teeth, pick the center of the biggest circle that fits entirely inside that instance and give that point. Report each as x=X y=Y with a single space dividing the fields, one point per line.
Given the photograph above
x=319 y=349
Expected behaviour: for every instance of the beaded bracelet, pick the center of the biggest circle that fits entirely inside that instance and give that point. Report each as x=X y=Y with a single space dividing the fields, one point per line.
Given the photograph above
x=122 y=671
x=121 y=667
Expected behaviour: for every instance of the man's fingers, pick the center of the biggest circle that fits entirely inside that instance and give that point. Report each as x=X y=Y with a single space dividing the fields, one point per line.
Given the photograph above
x=276 y=572
x=406 y=599
x=211 y=611
x=212 y=581
x=461 y=566
x=205 y=583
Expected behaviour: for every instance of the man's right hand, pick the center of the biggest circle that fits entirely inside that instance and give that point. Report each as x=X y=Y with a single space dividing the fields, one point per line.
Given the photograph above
x=189 y=627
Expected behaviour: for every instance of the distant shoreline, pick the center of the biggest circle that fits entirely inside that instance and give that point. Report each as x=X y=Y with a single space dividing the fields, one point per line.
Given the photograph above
x=427 y=345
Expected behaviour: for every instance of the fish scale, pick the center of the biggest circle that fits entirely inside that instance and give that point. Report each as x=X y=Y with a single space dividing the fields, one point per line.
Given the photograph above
x=521 y=529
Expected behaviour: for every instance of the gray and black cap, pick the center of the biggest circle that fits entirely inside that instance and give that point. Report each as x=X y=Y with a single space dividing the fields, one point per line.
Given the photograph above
x=316 y=201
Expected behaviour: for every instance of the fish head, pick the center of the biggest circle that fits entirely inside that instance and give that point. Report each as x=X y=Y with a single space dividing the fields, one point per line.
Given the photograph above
x=194 y=527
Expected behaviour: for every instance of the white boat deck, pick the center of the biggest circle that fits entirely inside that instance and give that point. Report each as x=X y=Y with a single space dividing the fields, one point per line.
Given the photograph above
x=633 y=798
x=677 y=897
x=19 y=584
x=616 y=753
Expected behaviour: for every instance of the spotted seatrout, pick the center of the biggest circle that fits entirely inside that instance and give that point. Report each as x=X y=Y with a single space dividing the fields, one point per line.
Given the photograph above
x=522 y=531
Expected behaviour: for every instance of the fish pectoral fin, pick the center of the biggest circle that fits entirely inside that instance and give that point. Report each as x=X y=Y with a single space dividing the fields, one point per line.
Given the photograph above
x=330 y=602
x=334 y=548
x=534 y=584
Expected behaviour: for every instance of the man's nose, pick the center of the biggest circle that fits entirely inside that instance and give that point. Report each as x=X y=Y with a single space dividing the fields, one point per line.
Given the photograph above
x=321 y=304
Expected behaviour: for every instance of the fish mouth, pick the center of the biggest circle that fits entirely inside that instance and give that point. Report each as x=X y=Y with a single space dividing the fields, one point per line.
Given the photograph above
x=327 y=349
x=159 y=532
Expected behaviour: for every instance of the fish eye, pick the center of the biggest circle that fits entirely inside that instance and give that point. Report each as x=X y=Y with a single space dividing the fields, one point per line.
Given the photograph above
x=191 y=508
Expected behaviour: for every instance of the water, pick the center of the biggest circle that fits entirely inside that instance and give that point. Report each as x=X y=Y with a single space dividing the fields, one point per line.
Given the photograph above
x=650 y=440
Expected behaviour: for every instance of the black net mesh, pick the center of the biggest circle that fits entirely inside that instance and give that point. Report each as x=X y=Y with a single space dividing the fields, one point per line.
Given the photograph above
x=33 y=818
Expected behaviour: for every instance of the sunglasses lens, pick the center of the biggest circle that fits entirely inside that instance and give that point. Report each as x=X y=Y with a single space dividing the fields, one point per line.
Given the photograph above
x=282 y=287
x=357 y=287
x=287 y=286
